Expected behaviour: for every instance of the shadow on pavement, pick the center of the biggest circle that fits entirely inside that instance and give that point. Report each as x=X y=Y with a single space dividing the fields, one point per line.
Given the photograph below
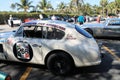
x=98 y=72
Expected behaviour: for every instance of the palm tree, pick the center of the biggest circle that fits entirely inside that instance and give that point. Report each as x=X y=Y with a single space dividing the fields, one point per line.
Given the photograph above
x=97 y=9
x=13 y=6
x=76 y=5
x=61 y=7
x=111 y=7
x=87 y=8
x=44 y=5
x=24 y=4
x=117 y=8
x=104 y=3
x=76 y=2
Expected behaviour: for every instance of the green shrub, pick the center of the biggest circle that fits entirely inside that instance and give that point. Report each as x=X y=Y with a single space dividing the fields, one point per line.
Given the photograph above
x=4 y=16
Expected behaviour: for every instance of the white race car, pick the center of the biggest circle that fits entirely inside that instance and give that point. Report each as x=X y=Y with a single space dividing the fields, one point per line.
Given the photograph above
x=59 y=45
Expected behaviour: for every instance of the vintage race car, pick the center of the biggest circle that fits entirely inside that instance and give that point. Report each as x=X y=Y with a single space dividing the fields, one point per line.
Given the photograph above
x=59 y=45
x=109 y=28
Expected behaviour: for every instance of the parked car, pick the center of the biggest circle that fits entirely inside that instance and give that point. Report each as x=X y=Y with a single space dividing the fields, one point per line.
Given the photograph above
x=16 y=21
x=109 y=28
x=59 y=45
x=29 y=19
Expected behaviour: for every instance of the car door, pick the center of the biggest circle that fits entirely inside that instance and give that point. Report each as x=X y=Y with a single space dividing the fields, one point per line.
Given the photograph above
x=27 y=47
x=112 y=29
x=40 y=39
x=33 y=38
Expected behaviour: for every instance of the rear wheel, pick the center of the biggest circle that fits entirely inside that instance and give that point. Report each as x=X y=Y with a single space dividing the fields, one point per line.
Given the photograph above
x=60 y=64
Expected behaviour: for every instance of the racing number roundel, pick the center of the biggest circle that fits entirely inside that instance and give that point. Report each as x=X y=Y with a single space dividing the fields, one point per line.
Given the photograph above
x=23 y=51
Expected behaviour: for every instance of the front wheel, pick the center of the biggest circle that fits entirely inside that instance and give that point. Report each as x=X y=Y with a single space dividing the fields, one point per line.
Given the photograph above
x=60 y=64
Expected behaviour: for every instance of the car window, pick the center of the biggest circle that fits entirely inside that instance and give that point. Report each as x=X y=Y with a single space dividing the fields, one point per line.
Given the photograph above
x=52 y=33
x=43 y=32
x=114 y=23
x=19 y=32
x=29 y=31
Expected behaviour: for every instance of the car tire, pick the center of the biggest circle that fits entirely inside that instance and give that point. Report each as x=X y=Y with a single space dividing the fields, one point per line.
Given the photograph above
x=60 y=64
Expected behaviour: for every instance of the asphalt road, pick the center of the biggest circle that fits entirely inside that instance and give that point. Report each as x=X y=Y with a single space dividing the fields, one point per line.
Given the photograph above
x=109 y=69
x=4 y=28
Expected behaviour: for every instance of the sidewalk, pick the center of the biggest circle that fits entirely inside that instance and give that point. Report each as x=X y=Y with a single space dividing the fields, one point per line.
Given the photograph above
x=4 y=28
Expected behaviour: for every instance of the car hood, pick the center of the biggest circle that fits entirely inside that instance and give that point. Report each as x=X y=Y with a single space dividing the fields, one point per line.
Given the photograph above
x=5 y=35
x=92 y=25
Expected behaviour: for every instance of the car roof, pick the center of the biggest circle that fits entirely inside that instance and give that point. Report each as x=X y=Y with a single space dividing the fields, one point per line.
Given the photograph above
x=49 y=23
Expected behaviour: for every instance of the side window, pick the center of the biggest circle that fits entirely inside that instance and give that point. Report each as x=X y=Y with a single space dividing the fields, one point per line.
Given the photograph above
x=53 y=33
x=43 y=32
x=114 y=23
x=38 y=32
x=29 y=31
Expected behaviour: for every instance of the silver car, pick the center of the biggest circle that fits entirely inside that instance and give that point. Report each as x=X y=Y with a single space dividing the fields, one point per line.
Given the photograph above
x=109 y=28
x=59 y=45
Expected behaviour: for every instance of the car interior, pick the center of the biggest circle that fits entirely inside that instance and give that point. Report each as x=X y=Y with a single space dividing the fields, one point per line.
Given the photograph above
x=43 y=32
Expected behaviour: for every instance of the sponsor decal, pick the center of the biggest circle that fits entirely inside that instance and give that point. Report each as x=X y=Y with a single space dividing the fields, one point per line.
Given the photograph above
x=70 y=37
x=23 y=51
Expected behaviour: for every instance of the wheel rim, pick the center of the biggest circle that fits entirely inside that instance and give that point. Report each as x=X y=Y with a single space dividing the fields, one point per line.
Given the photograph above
x=61 y=66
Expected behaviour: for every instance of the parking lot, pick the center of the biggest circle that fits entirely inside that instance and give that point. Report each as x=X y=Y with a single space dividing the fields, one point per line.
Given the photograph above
x=109 y=69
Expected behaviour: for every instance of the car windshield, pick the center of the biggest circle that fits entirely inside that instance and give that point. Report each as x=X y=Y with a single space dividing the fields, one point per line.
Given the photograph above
x=83 y=32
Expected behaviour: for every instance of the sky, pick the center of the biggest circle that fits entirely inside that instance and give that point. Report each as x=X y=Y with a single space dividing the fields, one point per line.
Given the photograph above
x=5 y=5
